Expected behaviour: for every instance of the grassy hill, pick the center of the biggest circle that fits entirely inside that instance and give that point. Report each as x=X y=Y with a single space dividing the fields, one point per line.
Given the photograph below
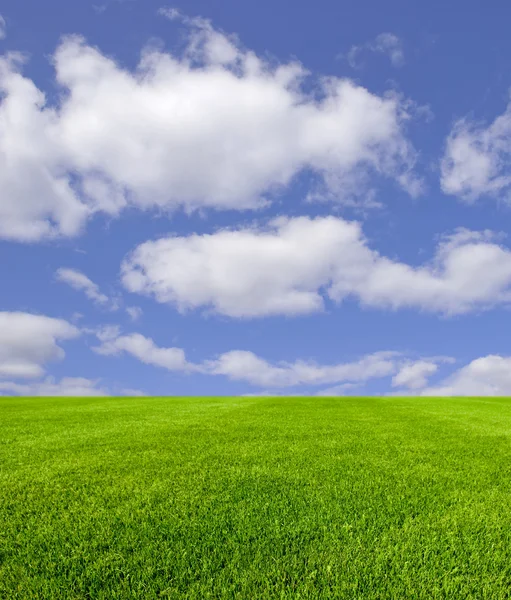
x=117 y=498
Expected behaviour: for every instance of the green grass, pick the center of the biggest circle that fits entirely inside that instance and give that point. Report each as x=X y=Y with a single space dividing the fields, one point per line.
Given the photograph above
x=253 y=498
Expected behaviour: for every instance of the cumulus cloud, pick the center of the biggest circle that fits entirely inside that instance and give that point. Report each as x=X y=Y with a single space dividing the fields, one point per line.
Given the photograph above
x=142 y=348
x=384 y=43
x=486 y=376
x=287 y=267
x=28 y=342
x=36 y=196
x=247 y=272
x=216 y=127
x=477 y=159
x=414 y=375
x=81 y=282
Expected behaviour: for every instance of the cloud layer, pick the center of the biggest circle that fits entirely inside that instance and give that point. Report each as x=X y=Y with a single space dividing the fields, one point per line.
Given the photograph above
x=218 y=127
x=28 y=342
x=243 y=365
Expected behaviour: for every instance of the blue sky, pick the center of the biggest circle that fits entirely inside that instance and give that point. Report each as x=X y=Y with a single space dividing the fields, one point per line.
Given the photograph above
x=264 y=198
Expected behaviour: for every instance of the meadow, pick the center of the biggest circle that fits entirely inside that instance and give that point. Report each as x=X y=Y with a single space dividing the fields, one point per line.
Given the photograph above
x=255 y=498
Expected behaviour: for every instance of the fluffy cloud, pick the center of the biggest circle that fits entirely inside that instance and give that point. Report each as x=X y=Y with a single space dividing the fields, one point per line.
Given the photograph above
x=477 y=159
x=247 y=272
x=384 y=43
x=36 y=196
x=414 y=375
x=142 y=348
x=79 y=281
x=486 y=376
x=28 y=342
x=216 y=127
x=288 y=266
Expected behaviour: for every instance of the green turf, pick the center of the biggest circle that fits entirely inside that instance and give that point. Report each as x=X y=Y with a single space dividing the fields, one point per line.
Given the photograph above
x=255 y=498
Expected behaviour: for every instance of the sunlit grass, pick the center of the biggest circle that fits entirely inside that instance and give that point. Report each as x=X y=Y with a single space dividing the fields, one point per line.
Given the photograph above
x=113 y=498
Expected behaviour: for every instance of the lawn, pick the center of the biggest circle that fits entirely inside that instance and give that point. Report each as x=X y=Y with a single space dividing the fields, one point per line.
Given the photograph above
x=254 y=498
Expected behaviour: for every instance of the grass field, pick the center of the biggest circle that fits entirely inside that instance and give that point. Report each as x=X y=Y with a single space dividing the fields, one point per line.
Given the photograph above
x=253 y=498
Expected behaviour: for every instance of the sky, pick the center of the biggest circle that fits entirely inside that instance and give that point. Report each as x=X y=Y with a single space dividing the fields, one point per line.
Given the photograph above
x=266 y=198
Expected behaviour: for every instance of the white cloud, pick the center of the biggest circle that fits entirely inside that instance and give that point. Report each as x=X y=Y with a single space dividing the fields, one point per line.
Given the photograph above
x=242 y=273
x=105 y=333
x=132 y=392
x=390 y=44
x=337 y=390
x=384 y=43
x=3 y=28
x=254 y=272
x=67 y=386
x=171 y=13
x=486 y=376
x=28 y=342
x=414 y=375
x=36 y=197
x=134 y=312
x=81 y=282
x=142 y=348
x=241 y=365
x=477 y=159
x=217 y=127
